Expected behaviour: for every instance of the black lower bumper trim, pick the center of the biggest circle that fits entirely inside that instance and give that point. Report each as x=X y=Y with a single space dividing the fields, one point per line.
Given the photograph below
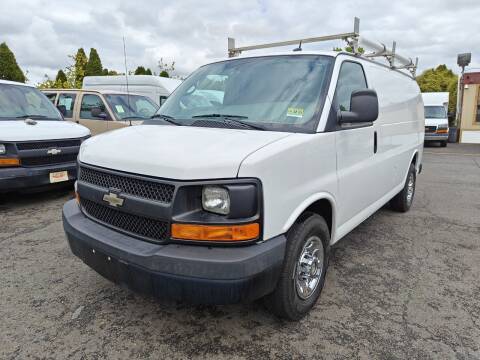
x=191 y=273
x=22 y=178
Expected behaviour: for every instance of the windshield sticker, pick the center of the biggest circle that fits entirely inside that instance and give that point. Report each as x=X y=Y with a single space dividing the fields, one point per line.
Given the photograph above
x=119 y=109
x=295 y=112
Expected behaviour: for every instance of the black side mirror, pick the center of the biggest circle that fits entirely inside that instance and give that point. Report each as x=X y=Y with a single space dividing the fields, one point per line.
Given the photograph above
x=62 y=109
x=363 y=107
x=97 y=112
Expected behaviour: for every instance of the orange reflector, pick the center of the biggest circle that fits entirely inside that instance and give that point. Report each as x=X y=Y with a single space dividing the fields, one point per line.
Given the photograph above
x=442 y=131
x=9 y=162
x=216 y=232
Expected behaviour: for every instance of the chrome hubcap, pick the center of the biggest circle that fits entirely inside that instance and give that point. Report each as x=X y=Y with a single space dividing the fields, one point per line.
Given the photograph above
x=410 y=188
x=308 y=270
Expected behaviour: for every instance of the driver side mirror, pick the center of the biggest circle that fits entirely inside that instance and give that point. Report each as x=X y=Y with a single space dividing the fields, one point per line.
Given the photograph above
x=363 y=107
x=97 y=112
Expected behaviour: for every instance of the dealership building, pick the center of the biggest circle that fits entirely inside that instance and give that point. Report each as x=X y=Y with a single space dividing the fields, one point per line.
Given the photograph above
x=470 y=118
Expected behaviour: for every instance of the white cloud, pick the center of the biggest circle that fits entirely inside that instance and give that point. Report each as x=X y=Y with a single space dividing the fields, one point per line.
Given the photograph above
x=43 y=33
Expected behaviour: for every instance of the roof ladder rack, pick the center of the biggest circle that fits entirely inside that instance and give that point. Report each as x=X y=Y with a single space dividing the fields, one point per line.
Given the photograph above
x=353 y=40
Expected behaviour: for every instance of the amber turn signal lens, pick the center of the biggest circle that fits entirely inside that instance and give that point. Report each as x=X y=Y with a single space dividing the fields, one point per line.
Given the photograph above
x=9 y=162
x=442 y=131
x=216 y=232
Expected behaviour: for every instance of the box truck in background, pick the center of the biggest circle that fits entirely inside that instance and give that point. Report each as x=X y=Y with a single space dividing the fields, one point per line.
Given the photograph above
x=436 y=116
x=155 y=87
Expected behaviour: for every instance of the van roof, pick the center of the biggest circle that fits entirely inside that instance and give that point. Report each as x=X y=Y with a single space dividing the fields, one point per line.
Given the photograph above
x=133 y=80
x=435 y=98
x=14 y=83
x=99 y=91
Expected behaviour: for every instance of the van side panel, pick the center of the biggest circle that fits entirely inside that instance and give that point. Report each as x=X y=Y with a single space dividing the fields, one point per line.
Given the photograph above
x=401 y=123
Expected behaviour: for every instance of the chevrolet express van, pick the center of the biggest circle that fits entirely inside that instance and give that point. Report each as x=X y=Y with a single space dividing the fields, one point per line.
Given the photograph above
x=241 y=196
x=102 y=110
x=436 y=118
x=37 y=146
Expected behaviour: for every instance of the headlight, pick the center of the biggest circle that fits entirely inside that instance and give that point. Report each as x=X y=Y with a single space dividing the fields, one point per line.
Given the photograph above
x=216 y=199
x=3 y=150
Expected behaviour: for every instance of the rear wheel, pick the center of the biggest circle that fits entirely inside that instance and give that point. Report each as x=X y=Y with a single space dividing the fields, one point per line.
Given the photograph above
x=443 y=143
x=304 y=268
x=404 y=199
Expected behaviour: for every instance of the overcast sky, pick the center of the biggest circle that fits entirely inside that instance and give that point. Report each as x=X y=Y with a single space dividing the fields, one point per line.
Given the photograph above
x=43 y=33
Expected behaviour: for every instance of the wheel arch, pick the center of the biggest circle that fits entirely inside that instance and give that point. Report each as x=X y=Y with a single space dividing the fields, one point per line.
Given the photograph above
x=322 y=204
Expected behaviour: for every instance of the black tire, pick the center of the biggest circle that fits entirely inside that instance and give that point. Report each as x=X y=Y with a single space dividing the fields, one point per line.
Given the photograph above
x=285 y=301
x=443 y=143
x=402 y=202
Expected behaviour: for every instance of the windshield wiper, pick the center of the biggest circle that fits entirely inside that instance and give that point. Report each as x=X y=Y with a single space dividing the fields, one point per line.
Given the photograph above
x=220 y=115
x=133 y=117
x=167 y=118
x=33 y=116
x=232 y=119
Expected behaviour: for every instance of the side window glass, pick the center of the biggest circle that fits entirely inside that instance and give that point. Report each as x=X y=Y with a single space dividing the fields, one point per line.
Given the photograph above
x=90 y=101
x=351 y=78
x=51 y=97
x=67 y=100
x=162 y=99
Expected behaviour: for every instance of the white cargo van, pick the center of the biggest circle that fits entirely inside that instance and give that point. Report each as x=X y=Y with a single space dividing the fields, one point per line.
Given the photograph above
x=155 y=87
x=241 y=196
x=436 y=117
x=37 y=146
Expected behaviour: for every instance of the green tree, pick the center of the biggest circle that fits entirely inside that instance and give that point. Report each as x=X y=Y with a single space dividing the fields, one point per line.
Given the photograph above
x=61 y=79
x=140 y=70
x=164 y=73
x=148 y=72
x=94 y=65
x=440 y=79
x=9 y=69
x=78 y=69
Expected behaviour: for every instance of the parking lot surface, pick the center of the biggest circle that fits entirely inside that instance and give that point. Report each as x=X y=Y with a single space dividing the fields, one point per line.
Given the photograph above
x=400 y=286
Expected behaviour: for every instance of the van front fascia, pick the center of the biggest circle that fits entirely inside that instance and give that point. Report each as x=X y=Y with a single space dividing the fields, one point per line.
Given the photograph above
x=184 y=206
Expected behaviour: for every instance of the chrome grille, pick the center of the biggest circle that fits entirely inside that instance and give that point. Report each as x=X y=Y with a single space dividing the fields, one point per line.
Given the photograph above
x=146 y=189
x=149 y=229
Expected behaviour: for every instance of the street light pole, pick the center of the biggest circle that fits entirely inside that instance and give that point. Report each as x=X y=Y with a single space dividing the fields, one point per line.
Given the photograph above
x=462 y=60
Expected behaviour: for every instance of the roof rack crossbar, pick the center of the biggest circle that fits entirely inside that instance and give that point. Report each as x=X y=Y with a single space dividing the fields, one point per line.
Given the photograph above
x=353 y=39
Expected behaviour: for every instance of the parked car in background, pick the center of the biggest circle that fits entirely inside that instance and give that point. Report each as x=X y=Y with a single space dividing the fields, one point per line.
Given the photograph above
x=155 y=87
x=436 y=117
x=102 y=110
x=37 y=146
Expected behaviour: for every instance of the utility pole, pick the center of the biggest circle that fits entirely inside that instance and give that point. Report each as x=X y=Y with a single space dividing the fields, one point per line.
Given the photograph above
x=462 y=60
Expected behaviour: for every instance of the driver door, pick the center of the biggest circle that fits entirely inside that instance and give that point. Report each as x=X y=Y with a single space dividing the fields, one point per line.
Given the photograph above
x=96 y=124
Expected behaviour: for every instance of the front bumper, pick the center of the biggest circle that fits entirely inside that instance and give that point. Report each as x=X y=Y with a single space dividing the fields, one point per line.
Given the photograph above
x=436 y=137
x=19 y=178
x=193 y=273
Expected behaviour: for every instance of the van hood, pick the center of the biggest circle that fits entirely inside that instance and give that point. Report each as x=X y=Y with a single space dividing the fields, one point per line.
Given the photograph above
x=175 y=152
x=19 y=130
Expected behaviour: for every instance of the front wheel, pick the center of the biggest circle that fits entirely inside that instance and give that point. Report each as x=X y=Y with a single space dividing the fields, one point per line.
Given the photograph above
x=304 y=268
x=404 y=199
x=443 y=143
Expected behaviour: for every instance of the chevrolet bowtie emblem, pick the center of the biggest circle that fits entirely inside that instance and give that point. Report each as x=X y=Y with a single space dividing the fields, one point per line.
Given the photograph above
x=113 y=199
x=54 y=151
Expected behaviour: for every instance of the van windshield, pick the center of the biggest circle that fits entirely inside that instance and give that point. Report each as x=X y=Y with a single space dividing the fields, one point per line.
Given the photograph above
x=131 y=106
x=278 y=93
x=435 y=112
x=21 y=102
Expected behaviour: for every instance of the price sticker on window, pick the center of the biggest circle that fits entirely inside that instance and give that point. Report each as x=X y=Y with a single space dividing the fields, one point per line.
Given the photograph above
x=295 y=112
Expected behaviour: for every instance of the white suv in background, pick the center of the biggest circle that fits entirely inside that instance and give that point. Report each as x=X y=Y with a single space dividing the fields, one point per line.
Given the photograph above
x=37 y=146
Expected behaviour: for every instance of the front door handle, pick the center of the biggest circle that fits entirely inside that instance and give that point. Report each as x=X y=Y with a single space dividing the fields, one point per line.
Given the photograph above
x=374 y=142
